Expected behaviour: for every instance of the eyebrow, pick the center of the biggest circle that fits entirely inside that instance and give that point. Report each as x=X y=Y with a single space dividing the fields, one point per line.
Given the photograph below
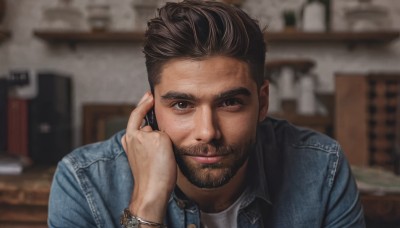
x=234 y=92
x=173 y=95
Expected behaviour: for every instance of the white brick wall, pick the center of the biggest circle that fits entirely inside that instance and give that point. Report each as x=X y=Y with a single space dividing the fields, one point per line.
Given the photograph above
x=116 y=73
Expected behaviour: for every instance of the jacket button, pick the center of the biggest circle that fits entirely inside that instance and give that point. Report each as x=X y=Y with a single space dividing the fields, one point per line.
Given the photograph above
x=191 y=226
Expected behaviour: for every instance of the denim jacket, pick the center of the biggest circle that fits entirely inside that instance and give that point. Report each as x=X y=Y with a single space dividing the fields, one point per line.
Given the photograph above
x=296 y=178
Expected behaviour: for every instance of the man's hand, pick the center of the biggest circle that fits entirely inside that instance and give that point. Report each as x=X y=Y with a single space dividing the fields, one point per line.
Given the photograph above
x=152 y=162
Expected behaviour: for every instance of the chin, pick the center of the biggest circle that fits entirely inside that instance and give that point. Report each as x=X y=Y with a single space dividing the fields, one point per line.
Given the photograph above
x=209 y=176
x=212 y=175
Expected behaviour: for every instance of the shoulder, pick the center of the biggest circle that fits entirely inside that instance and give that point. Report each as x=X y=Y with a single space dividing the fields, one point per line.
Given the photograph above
x=285 y=133
x=301 y=150
x=91 y=154
x=94 y=183
x=309 y=170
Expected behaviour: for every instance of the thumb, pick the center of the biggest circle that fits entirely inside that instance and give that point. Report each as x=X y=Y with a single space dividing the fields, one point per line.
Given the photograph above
x=123 y=142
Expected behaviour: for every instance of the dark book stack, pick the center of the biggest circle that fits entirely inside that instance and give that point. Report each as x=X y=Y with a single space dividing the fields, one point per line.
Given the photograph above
x=39 y=127
x=50 y=119
x=17 y=116
x=3 y=114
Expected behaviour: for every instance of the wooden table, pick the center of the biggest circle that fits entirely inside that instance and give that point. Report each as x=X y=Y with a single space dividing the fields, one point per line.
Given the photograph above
x=380 y=196
x=24 y=198
x=381 y=210
x=24 y=202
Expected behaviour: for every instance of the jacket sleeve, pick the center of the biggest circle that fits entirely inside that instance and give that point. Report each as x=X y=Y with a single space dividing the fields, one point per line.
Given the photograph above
x=68 y=206
x=344 y=208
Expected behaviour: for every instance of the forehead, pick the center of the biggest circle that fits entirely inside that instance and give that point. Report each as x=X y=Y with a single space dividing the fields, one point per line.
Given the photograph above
x=211 y=74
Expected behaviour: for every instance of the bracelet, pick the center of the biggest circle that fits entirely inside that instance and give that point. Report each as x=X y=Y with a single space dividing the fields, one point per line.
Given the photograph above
x=142 y=221
x=130 y=221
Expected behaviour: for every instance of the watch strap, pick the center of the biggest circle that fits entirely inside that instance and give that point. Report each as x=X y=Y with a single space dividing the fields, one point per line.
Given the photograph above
x=130 y=221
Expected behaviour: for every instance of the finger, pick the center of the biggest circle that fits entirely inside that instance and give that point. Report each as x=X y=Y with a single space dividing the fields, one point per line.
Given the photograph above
x=123 y=142
x=144 y=123
x=138 y=114
x=144 y=97
x=146 y=128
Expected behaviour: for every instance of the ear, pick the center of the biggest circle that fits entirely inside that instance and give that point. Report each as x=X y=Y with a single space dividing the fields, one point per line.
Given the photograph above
x=263 y=101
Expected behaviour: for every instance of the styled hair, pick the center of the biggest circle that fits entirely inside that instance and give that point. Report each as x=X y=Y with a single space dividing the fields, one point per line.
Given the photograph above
x=199 y=29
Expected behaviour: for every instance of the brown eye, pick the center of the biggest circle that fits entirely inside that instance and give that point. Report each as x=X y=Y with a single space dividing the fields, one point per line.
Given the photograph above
x=230 y=102
x=181 y=105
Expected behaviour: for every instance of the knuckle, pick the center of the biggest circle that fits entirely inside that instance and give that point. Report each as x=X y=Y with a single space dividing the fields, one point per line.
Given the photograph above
x=129 y=136
x=139 y=137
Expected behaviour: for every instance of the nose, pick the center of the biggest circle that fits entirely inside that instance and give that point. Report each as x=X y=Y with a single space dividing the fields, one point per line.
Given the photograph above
x=206 y=125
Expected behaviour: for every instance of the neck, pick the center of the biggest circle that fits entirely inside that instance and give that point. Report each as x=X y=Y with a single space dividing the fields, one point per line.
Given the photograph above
x=213 y=200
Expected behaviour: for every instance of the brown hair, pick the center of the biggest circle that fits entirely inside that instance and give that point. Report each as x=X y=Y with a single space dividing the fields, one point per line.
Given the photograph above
x=199 y=29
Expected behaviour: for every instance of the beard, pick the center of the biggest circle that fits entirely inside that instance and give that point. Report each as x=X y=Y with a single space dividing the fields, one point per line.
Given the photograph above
x=212 y=175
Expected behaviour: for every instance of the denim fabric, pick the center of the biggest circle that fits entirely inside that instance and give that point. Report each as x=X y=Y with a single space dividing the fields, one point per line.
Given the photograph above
x=296 y=178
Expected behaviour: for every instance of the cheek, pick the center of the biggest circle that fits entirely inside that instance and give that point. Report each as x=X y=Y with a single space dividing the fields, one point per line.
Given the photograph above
x=239 y=129
x=176 y=127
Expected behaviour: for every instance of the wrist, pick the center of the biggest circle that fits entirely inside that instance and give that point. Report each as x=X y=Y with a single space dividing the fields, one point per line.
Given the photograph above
x=149 y=208
x=131 y=221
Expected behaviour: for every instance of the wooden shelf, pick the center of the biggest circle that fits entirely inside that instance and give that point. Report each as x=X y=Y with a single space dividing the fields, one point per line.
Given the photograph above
x=346 y=37
x=289 y=36
x=4 y=34
x=82 y=36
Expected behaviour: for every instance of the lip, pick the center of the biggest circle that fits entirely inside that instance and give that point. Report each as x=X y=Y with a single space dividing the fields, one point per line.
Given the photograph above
x=207 y=159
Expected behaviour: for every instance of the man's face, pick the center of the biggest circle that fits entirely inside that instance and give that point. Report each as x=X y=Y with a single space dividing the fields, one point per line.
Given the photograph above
x=210 y=110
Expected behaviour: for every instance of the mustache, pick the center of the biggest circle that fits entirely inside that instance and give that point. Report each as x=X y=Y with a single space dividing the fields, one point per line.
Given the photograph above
x=204 y=150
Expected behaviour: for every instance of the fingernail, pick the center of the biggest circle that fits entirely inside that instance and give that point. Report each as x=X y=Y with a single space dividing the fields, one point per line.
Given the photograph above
x=145 y=96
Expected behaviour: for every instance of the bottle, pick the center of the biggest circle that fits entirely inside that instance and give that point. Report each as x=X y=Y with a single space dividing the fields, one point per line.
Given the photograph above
x=314 y=16
x=306 y=98
x=286 y=83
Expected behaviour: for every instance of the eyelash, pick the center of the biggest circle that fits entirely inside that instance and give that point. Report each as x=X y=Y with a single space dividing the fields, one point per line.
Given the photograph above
x=237 y=103
x=175 y=105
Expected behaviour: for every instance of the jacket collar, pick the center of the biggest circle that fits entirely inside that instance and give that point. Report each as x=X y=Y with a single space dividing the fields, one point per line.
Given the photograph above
x=264 y=162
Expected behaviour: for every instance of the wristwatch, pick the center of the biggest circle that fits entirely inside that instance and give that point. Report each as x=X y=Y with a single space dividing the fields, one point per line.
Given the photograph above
x=130 y=221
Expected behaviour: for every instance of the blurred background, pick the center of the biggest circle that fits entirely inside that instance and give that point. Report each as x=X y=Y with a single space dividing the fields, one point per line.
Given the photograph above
x=71 y=71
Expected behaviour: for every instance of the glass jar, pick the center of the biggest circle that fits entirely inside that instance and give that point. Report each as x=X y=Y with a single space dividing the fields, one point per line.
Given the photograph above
x=144 y=11
x=314 y=17
x=63 y=16
x=99 y=16
x=366 y=16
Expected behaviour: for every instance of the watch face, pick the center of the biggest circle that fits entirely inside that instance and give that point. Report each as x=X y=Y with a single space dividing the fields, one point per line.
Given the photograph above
x=133 y=223
x=129 y=221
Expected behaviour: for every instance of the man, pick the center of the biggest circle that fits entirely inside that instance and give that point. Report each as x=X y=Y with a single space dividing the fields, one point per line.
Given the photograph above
x=215 y=160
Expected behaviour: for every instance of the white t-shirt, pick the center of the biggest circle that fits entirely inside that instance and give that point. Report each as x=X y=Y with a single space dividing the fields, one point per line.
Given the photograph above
x=223 y=219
